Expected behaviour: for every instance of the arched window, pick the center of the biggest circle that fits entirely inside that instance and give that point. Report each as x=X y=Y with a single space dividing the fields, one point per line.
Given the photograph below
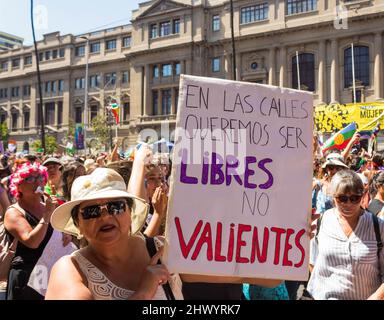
x=361 y=57
x=307 y=71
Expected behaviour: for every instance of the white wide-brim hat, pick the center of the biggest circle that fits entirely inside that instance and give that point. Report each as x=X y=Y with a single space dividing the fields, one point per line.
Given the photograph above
x=103 y=183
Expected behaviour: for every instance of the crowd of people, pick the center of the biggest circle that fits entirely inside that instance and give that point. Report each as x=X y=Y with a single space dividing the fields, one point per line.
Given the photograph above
x=112 y=211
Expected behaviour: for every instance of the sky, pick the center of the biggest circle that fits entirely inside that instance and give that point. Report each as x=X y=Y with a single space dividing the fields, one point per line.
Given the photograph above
x=66 y=16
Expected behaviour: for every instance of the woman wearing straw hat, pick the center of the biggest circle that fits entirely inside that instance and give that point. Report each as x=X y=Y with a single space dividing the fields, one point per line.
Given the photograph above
x=116 y=263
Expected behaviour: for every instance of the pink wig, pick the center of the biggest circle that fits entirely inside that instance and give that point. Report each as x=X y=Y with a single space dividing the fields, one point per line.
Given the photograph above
x=24 y=171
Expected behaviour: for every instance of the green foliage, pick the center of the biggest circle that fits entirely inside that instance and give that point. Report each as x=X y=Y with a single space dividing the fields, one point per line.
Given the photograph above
x=101 y=129
x=4 y=132
x=71 y=130
x=50 y=144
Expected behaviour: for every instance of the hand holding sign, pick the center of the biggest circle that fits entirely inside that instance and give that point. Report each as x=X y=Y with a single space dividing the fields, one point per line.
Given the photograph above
x=154 y=275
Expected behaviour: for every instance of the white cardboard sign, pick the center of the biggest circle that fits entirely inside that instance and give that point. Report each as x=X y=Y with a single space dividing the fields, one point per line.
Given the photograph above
x=241 y=181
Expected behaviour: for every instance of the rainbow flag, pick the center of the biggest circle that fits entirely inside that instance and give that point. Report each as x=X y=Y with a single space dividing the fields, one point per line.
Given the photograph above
x=115 y=108
x=340 y=139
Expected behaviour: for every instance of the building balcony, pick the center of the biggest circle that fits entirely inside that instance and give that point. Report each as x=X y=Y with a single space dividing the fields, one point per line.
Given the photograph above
x=157 y=119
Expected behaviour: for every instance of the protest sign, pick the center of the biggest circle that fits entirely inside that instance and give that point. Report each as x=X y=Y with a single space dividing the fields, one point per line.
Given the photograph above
x=240 y=193
x=53 y=251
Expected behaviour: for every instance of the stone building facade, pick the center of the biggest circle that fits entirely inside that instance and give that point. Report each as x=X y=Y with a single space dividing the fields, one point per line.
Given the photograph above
x=139 y=64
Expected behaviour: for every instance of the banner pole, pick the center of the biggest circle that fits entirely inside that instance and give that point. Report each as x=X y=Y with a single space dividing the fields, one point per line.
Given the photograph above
x=353 y=73
x=298 y=70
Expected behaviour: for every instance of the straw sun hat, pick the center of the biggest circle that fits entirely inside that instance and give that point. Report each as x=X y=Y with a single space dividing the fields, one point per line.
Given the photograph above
x=103 y=183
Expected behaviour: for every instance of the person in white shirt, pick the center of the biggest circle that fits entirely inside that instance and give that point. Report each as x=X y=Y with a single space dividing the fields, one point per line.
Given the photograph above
x=348 y=265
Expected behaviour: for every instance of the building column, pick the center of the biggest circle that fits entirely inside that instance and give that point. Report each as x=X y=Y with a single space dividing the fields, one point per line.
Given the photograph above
x=146 y=91
x=271 y=76
x=173 y=102
x=188 y=66
x=159 y=102
x=334 y=71
x=283 y=67
x=56 y=113
x=321 y=76
x=378 y=71
x=238 y=66
x=33 y=108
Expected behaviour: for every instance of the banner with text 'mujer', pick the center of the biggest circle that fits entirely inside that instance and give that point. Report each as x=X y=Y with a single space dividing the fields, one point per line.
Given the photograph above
x=241 y=181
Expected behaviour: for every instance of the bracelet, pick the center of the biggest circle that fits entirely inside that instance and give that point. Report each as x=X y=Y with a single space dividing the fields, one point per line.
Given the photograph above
x=46 y=223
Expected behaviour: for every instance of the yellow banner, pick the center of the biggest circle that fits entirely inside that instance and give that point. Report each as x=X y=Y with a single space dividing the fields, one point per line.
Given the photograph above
x=333 y=117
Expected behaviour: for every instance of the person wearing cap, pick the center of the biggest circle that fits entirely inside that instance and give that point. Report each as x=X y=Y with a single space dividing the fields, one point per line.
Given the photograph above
x=334 y=162
x=28 y=222
x=116 y=263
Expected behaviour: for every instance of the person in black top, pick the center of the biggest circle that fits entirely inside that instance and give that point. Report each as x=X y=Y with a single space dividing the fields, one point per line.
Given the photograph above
x=29 y=222
x=376 y=190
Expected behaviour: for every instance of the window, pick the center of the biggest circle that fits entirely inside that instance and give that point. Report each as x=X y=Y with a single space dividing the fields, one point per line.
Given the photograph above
x=41 y=56
x=54 y=54
x=127 y=42
x=177 y=68
x=47 y=55
x=215 y=64
x=79 y=83
x=155 y=102
x=3 y=93
x=3 y=117
x=125 y=77
x=27 y=60
x=60 y=112
x=26 y=91
x=216 y=22
x=254 y=13
x=176 y=26
x=155 y=71
x=299 y=6
x=26 y=116
x=53 y=86
x=61 y=85
x=95 y=47
x=358 y=96
x=166 y=70
x=165 y=29
x=15 y=117
x=307 y=71
x=111 y=44
x=61 y=53
x=47 y=87
x=153 y=29
x=4 y=66
x=94 y=81
x=80 y=51
x=110 y=79
x=166 y=101
x=15 y=92
x=50 y=113
x=361 y=57
x=15 y=63
x=94 y=110
x=126 y=112
x=78 y=115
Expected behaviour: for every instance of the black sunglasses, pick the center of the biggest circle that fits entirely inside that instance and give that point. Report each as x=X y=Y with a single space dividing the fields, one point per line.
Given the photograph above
x=113 y=208
x=353 y=198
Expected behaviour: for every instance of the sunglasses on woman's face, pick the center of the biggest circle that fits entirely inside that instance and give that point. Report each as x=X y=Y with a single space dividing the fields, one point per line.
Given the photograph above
x=353 y=198
x=33 y=179
x=113 y=208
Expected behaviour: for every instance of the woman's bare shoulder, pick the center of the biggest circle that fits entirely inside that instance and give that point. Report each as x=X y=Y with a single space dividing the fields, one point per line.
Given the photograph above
x=67 y=282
